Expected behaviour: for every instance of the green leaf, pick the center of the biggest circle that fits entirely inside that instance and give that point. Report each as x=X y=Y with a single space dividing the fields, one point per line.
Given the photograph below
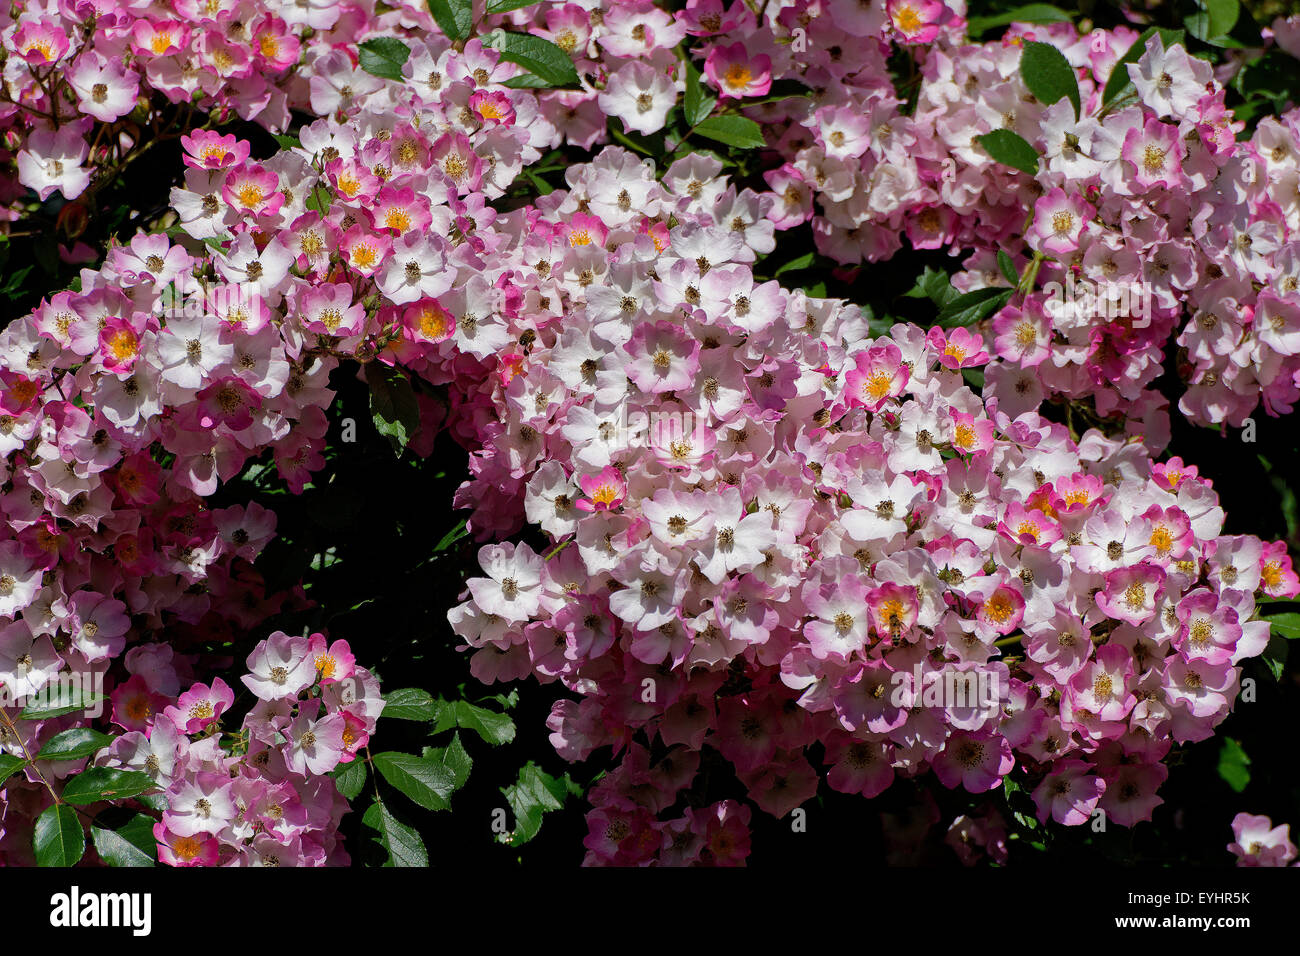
x=318 y=200
x=934 y=285
x=350 y=778
x=506 y=701
x=973 y=376
x=803 y=262
x=1008 y=268
x=738 y=131
x=495 y=728
x=1214 y=21
x=129 y=844
x=698 y=103
x=1011 y=150
x=393 y=407
x=8 y=764
x=154 y=801
x=16 y=279
x=1233 y=765
x=452 y=536
x=454 y=17
x=286 y=141
x=409 y=703
x=1286 y=625
x=383 y=57
x=540 y=57
x=879 y=325
x=106 y=783
x=56 y=700
x=526 y=81
x=73 y=744
x=1029 y=13
x=58 y=837
x=454 y=758
x=428 y=782
x=1048 y=75
x=404 y=846
x=1118 y=81
x=505 y=6
x=971 y=307
x=534 y=794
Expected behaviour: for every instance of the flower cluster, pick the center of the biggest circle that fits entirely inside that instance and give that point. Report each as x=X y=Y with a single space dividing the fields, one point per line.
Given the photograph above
x=265 y=800
x=1178 y=237
x=87 y=86
x=124 y=404
x=173 y=367
x=1256 y=842
x=773 y=530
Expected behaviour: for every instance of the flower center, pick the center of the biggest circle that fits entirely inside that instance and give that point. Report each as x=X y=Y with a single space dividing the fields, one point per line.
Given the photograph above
x=737 y=76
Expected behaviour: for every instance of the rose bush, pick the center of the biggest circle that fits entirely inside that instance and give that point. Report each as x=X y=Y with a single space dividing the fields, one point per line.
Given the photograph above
x=738 y=529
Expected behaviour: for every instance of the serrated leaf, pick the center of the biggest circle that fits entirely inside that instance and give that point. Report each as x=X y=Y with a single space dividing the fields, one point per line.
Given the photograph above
x=350 y=777
x=1214 y=21
x=454 y=17
x=409 y=703
x=1029 y=13
x=533 y=795
x=58 y=838
x=1008 y=268
x=933 y=284
x=129 y=844
x=427 y=782
x=106 y=783
x=971 y=307
x=738 y=131
x=506 y=701
x=698 y=103
x=74 y=744
x=540 y=57
x=286 y=141
x=1119 y=80
x=383 y=57
x=8 y=764
x=403 y=843
x=454 y=758
x=1010 y=149
x=495 y=728
x=1286 y=625
x=393 y=407
x=1048 y=75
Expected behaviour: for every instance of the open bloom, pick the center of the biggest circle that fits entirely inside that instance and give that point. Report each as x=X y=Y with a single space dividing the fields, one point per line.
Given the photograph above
x=1131 y=592
x=878 y=374
x=604 y=491
x=736 y=73
x=105 y=88
x=1059 y=220
x=1256 y=842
